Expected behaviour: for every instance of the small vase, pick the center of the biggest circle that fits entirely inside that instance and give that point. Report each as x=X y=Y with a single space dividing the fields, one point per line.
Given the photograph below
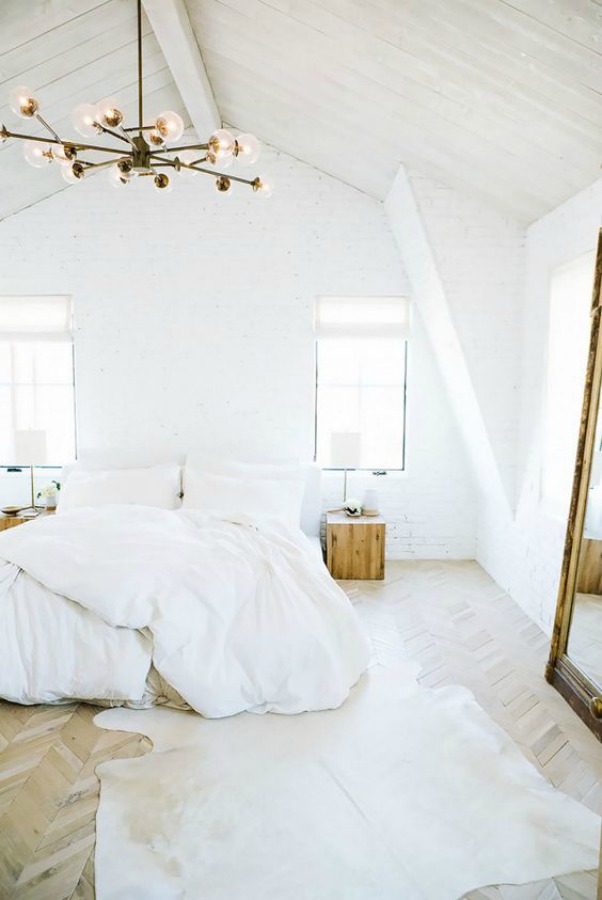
x=370 y=504
x=50 y=502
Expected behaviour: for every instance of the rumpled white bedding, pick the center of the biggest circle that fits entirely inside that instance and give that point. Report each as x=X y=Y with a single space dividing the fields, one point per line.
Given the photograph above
x=232 y=615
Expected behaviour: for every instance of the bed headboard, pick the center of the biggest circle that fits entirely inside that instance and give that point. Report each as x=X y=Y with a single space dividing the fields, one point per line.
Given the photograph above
x=311 y=510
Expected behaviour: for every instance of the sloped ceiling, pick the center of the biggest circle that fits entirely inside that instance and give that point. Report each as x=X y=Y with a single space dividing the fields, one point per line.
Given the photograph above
x=502 y=98
x=499 y=98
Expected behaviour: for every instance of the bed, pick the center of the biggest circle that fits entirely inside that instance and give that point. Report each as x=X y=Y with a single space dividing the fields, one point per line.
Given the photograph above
x=219 y=601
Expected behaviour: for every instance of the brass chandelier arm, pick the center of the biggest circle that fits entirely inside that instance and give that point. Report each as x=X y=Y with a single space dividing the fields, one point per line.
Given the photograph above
x=48 y=128
x=117 y=150
x=162 y=162
x=99 y=165
x=166 y=159
x=115 y=134
x=75 y=144
x=125 y=137
x=222 y=175
x=186 y=147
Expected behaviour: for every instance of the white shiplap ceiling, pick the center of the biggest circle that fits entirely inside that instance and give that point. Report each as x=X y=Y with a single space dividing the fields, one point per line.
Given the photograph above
x=500 y=98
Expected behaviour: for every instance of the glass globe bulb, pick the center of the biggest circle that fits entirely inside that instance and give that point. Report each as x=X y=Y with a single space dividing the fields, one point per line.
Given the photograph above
x=73 y=173
x=170 y=126
x=154 y=138
x=117 y=178
x=221 y=144
x=23 y=102
x=222 y=184
x=262 y=187
x=108 y=112
x=126 y=169
x=63 y=155
x=85 y=120
x=248 y=148
x=162 y=183
x=220 y=162
x=37 y=153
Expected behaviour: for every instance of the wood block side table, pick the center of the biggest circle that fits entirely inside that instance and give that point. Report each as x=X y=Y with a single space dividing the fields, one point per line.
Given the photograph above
x=355 y=547
x=12 y=521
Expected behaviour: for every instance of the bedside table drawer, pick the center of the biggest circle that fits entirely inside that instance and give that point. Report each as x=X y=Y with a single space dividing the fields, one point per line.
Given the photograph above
x=355 y=548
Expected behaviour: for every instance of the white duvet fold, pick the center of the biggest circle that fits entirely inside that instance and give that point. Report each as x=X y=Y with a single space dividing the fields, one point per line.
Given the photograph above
x=234 y=616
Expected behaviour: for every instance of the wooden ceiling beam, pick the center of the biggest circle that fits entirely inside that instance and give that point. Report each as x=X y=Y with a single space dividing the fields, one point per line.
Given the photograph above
x=169 y=20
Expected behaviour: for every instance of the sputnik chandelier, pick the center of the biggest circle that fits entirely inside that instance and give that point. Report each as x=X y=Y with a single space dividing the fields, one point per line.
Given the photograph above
x=146 y=150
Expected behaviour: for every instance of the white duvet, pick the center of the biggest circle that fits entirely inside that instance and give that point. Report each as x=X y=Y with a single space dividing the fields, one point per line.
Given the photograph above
x=139 y=605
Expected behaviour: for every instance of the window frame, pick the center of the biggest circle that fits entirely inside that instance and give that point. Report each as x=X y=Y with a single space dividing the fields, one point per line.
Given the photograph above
x=552 y=502
x=64 y=336
x=380 y=471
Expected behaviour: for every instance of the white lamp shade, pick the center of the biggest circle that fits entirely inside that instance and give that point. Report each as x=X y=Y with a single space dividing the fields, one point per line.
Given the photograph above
x=345 y=447
x=30 y=447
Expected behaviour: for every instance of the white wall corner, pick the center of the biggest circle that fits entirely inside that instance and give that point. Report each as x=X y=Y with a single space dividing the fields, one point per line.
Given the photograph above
x=431 y=303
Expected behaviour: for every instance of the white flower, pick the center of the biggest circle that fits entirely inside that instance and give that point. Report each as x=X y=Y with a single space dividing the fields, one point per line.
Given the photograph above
x=50 y=490
x=352 y=507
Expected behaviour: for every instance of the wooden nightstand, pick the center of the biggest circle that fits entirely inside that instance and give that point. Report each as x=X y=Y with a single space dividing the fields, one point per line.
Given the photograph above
x=355 y=547
x=11 y=521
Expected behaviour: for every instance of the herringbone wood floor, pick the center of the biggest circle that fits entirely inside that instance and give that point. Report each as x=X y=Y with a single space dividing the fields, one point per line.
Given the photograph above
x=448 y=616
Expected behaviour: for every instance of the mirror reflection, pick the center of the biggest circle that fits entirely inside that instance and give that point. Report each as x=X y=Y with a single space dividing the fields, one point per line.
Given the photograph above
x=585 y=634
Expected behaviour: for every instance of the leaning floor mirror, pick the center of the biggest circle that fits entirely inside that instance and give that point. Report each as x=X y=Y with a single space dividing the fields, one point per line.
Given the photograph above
x=575 y=664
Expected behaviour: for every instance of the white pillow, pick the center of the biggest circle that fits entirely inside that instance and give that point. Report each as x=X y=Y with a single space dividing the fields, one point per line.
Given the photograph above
x=157 y=486
x=257 y=498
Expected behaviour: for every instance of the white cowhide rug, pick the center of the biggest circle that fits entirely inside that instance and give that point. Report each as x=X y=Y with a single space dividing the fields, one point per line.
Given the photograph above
x=403 y=793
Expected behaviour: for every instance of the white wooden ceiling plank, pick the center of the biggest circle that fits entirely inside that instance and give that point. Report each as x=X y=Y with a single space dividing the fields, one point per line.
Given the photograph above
x=254 y=98
x=466 y=69
x=480 y=112
x=105 y=76
x=486 y=25
x=59 y=115
x=110 y=18
x=352 y=169
x=116 y=44
x=170 y=22
x=22 y=21
x=578 y=20
x=360 y=98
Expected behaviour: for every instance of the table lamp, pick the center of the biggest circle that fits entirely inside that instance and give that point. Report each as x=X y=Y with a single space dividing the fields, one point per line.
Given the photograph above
x=30 y=450
x=345 y=448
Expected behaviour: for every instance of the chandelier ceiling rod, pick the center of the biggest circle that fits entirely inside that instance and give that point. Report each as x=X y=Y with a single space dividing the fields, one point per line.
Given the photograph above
x=140 y=98
x=144 y=153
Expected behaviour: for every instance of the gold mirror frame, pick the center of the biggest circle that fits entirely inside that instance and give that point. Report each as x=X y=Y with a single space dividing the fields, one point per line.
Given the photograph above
x=576 y=687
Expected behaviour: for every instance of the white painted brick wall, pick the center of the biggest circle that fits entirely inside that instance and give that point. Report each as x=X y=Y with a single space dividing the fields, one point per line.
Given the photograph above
x=194 y=327
x=496 y=281
x=479 y=255
x=524 y=554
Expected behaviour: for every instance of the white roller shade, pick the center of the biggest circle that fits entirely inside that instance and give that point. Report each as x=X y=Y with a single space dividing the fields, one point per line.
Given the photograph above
x=363 y=317
x=30 y=447
x=38 y=318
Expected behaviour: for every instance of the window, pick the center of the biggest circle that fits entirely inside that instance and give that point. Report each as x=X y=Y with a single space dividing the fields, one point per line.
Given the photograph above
x=361 y=381
x=36 y=375
x=568 y=340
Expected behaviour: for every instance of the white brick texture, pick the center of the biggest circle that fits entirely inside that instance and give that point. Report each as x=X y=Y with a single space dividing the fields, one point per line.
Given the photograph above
x=194 y=327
